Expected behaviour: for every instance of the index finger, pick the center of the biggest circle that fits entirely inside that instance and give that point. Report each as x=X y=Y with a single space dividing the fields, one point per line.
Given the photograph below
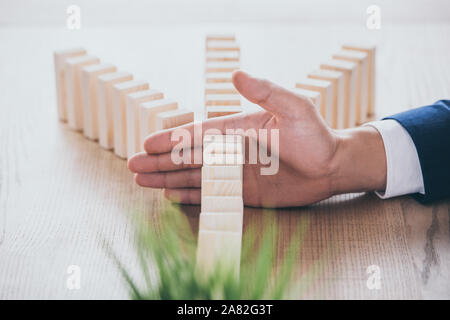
x=161 y=141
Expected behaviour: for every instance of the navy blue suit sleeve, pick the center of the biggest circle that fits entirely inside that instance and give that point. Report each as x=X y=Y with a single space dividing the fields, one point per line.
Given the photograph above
x=429 y=128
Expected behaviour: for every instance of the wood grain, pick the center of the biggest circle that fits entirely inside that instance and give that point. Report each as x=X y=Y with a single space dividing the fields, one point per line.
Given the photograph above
x=62 y=196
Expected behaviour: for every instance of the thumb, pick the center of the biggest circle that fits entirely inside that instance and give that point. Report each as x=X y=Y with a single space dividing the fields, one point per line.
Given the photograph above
x=273 y=98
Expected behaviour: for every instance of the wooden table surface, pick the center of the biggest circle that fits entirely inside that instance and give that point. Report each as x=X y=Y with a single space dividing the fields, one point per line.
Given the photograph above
x=61 y=195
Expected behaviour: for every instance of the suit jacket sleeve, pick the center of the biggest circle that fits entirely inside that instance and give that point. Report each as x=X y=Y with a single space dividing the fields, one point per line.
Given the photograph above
x=429 y=128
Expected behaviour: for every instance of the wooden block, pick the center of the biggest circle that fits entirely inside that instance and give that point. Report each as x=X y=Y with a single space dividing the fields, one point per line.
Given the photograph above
x=89 y=96
x=222 y=204
x=221 y=221
x=220 y=88
x=222 y=56
x=59 y=58
x=222 y=66
x=218 y=248
x=222 y=147
x=222 y=172
x=337 y=79
x=218 y=77
x=221 y=45
x=371 y=51
x=220 y=37
x=349 y=69
x=326 y=92
x=221 y=188
x=72 y=71
x=105 y=107
x=148 y=112
x=231 y=138
x=173 y=118
x=220 y=111
x=119 y=92
x=362 y=83
x=314 y=96
x=224 y=159
x=133 y=100
x=222 y=100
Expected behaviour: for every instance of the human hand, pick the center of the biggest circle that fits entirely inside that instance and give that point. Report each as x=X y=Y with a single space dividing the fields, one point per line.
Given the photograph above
x=315 y=161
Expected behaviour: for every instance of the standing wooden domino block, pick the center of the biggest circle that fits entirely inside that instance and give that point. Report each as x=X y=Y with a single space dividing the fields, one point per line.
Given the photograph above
x=222 y=172
x=337 y=79
x=371 y=51
x=223 y=56
x=220 y=111
x=72 y=69
x=349 y=69
x=219 y=248
x=220 y=88
x=173 y=118
x=133 y=100
x=119 y=92
x=221 y=221
x=222 y=66
x=105 y=107
x=326 y=92
x=222 y=100
x=148 y=112
x=220 y=37
x=59 y=58
x=221 y=45
x=222 y=204
x=314 y=96
x=218 y=77
x=362 y=84
x=89 y=96
x=221 y=188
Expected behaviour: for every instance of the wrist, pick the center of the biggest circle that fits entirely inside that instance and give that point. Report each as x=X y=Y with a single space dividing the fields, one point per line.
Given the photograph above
x=359 y=163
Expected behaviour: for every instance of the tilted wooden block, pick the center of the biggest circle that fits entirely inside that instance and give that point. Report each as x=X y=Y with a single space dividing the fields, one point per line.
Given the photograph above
x=225 y=66
x=349 y=69
x=371 y=51
x=221 y=188
x=222 y=204
x=133 y=100
x=220 y=111
x=326 y=92
x=148 y=112
x=222 y=172
x=173 y=118
x=220 y=37
x=220 y=88
x=105 y=107
x=89 y=96
x=362 y=84
x=219 y=248
x=221 y=221
x=222 y=56
x=222 y=100
x=119 y=93
x=72 y=69
x=59 y=58
x=337 y=79
x=221 y=45
x=315 y=96
x=218 y=77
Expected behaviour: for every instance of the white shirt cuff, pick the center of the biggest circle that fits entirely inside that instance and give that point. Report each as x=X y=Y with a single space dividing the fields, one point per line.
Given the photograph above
x=404 y=174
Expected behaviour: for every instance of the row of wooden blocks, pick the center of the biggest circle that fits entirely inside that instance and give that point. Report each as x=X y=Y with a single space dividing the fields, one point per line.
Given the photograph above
x=221 y=218
x=343 y=88
x=222 y=58
x=110 y=105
